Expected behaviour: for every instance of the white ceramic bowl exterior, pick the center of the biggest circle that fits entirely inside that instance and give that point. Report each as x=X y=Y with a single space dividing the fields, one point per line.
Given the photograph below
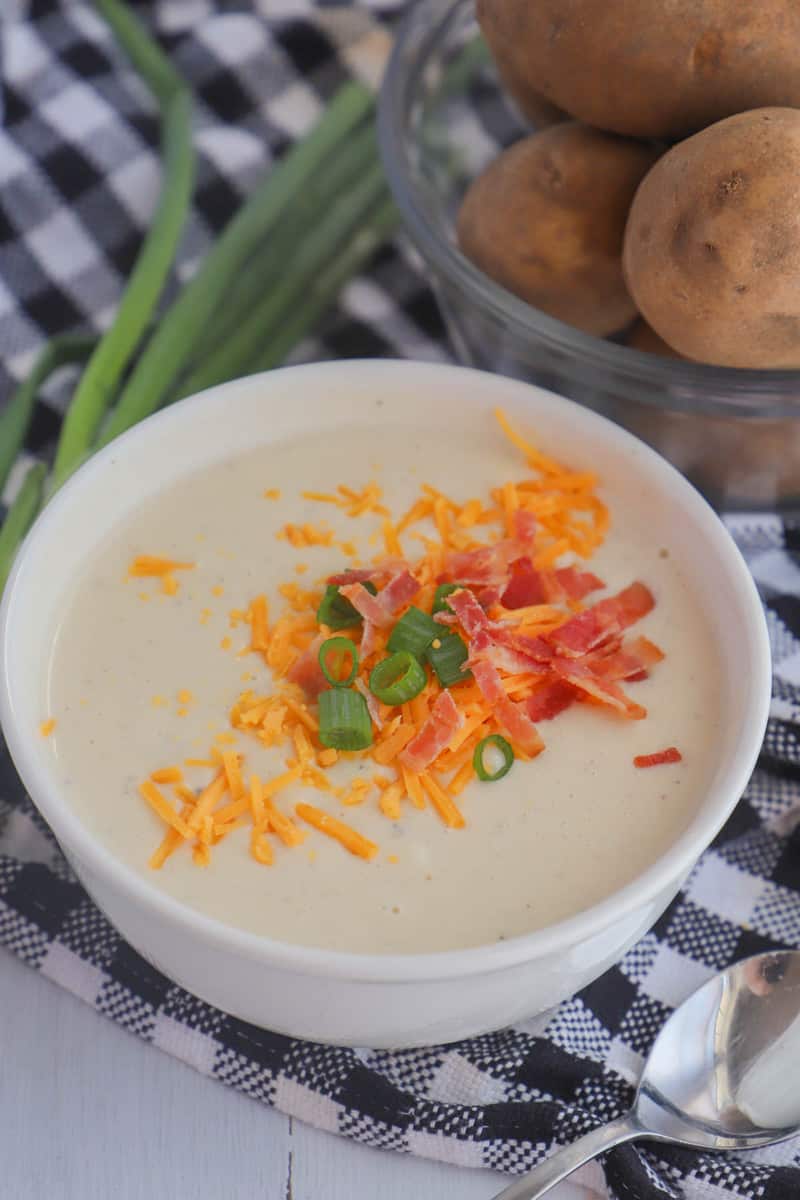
x=392 y=1000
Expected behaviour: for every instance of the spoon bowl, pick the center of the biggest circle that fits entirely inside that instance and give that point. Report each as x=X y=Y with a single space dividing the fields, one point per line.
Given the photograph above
x=722 y=1073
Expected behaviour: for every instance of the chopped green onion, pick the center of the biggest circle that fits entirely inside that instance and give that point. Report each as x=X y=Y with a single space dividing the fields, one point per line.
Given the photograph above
x=498 y=743
x=398 y=678
x=344 y=722
x=339 y=647
x=336 y=611
x=440 y=597
x=448 y=658
x=413 y=632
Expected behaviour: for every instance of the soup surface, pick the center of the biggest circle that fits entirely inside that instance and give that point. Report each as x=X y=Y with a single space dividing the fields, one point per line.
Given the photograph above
x=139 y=679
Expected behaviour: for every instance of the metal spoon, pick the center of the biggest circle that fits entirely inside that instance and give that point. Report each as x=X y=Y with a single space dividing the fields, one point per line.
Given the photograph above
x=722 y=1074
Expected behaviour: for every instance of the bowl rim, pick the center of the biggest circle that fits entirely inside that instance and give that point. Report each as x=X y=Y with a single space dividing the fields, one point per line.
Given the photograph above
x=27 y=747
x=737 y=391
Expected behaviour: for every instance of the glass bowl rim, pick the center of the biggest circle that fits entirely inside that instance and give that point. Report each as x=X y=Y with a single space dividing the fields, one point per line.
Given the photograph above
x=751 y=393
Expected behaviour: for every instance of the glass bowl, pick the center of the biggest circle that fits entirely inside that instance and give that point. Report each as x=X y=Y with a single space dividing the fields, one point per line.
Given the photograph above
x=443 y=116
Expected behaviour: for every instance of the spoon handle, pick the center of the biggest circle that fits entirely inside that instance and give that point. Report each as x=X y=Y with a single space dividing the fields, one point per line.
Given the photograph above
x=569 y=1158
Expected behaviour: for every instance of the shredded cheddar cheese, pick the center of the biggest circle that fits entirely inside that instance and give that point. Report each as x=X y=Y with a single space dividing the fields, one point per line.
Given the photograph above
x=47 y=727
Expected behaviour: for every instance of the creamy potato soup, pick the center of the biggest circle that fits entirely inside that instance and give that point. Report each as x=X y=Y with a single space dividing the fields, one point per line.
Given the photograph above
x=154 y=693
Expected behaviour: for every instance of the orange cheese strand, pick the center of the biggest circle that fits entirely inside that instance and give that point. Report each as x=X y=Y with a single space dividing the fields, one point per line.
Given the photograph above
x=444 y=805
x=47 y=727
x=148 y=565
x=349 y=838
x=161 y=805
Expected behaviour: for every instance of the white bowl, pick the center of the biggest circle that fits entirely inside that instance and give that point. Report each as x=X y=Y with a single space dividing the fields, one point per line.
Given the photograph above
x=374 y=1000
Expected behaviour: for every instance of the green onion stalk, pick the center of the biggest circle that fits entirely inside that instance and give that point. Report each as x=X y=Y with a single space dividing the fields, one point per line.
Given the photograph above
x=16 y=416
x=97 y=387
x=175 y=340
x=341 y=224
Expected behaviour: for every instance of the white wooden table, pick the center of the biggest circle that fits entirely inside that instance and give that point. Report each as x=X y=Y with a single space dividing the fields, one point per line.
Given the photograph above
x=88 y=1112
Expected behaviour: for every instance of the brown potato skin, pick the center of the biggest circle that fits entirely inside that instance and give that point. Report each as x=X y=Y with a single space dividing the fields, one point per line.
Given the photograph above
x=712 y=246
x=537 y=111
x=546 y=221
x=649 y=68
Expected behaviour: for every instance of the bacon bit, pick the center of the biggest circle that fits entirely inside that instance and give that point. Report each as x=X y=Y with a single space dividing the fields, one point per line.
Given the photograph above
x=47 y=727
x=435 y=735
x=366 y=605
x=167 y=775
x=272 y=494
x=603 y=620
x=372 y=702
x=306 y=671
x=550 y=699
x=602 y=690
x=511 y=717
x=344 y=834
x=362 y=575
x=671 y=755
x=578 y=584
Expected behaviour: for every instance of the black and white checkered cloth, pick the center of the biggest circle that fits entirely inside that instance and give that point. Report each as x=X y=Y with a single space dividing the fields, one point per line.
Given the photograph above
x=78 y=178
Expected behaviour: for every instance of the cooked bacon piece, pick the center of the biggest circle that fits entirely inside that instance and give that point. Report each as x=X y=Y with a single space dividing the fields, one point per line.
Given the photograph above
x=380 y=609
x=602 y=690
x=671 y=755
x=630 y=661
x=484 y=647
x=353 y=575
x=511 y=716
x=367 y=644
x=307 y=672
x=372 y=703
x=550 y=699
x=525 y=587
x=434 y=736
x=399 y=591
x=487 y=565
x=366 y=605
x=469 y=612
x=577 y=584
x=603 y=620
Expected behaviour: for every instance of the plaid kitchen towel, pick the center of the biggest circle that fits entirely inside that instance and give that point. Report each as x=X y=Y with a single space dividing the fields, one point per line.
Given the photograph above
x=78 y=176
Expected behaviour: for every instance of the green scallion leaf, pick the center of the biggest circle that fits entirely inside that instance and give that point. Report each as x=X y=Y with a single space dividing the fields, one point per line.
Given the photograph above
x=336 y=611
x=494 y=740
x=414 y=632
x=344 y=722
x=340 y=648
x=440 y=597
x=399 y=678
x=448 y=658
